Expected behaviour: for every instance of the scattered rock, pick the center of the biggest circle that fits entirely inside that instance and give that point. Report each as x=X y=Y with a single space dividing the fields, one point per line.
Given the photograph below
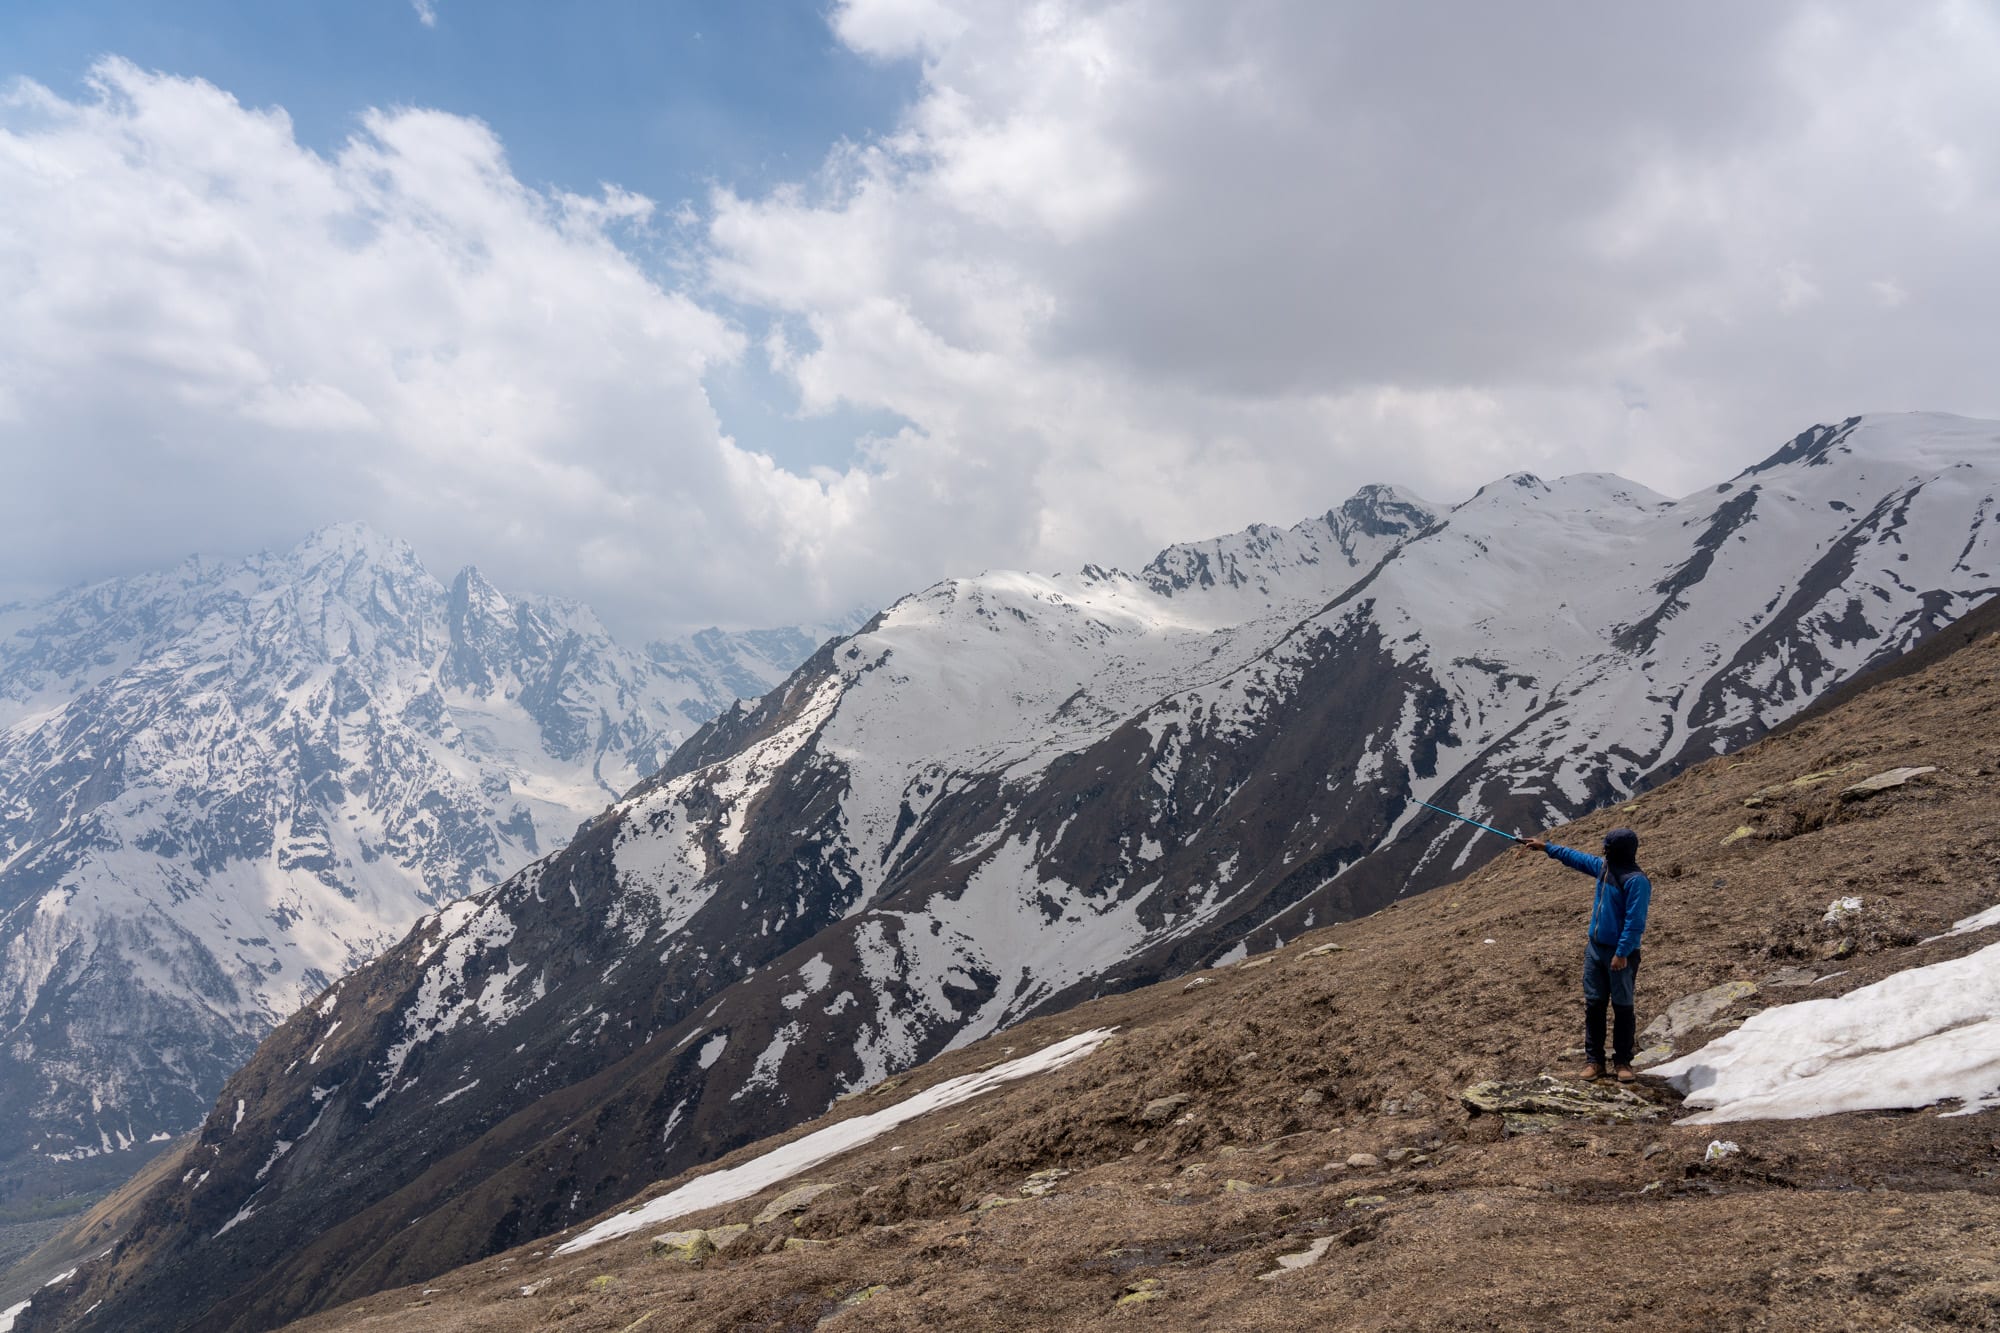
x=1162 y=1109
x=1308 y=1099
x=1305 y=1258
x=1399 y=1154
x=1041 y=1182
x=1237 y=1186
x=1653 y=1054
x=1697 y=1010
x=1840 y=909
x=866 y=1294
x=1363 y=1161
x=1792 y=976
x=1250 y=964
x=690 y=1247
x=1742 y=831
x=1881 y=782
x=1145 y=1289
x=1651 y=1150
x=1719 y=1150
x=801 y=1243
x=795 y=1200
x=1367 y=1200
x=1753 y=803
x=1198 y=981
x=1323 y=950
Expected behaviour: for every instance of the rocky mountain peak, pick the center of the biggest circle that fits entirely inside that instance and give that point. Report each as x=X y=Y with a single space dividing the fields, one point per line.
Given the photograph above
x=338 y=548
x=1377 y=510
x=224 y=784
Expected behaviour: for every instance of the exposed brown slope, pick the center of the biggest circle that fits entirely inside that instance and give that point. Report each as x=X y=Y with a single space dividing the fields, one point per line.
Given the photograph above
x=1885 y=1220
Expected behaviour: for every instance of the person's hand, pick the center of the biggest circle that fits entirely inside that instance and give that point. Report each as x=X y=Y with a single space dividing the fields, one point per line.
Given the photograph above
x=1532 y=845
x=1618 y=964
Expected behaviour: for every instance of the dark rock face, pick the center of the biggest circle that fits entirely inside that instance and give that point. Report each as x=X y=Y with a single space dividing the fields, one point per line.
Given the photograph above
x=1010 y=793
x=225 y=785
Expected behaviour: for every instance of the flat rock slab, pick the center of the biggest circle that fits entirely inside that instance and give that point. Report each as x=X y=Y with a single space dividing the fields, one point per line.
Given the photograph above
x=1697 y=1010
x=1547 y=1102
x=1881 y=782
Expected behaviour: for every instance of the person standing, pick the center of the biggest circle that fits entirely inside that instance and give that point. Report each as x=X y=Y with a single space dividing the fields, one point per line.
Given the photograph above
x=1611 y=954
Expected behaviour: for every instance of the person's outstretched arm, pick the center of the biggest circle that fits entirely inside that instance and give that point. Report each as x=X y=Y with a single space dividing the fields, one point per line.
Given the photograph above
x=1575 y=860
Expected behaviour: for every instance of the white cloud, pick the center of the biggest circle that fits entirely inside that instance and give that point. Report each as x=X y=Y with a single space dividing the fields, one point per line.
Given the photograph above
x=1202 y=261
x=426 y=12
x=219 y=339
x=1134 y=271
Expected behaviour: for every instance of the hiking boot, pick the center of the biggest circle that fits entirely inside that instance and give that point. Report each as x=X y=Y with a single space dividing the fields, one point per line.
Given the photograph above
x=1625 y=1074
x=1592 y=1072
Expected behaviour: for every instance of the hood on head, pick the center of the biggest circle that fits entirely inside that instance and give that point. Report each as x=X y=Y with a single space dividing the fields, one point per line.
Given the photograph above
x=1621 y=849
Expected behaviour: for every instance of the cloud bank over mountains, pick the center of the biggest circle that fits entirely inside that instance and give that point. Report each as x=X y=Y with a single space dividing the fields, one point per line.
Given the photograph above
x=1130 y=272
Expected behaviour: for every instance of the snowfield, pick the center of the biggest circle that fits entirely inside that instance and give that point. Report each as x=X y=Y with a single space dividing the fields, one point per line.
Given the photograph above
x=1922 y=1036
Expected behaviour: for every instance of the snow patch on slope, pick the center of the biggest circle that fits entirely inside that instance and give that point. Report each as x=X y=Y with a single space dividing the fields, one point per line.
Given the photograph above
x=740 y=1182
x=1921 y=1036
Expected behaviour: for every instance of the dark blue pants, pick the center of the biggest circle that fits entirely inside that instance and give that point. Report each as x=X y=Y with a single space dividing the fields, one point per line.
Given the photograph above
x=1604 y=988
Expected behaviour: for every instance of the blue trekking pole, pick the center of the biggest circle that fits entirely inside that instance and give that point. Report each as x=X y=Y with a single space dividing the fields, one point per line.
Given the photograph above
x=1463 y=820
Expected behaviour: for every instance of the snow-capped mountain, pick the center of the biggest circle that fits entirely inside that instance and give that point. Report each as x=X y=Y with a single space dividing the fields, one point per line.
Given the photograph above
x=1008 y=793
x=224 y=785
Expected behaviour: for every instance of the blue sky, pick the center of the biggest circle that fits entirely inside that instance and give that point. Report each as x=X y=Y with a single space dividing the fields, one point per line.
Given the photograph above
x=665 y=98
x=662 y=97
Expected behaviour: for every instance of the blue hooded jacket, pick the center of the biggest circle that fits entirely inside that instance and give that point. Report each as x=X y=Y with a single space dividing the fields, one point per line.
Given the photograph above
x=1618 y=916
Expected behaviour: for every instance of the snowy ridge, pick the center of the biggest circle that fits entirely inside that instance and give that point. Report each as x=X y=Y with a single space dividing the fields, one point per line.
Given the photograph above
x=225 y=784
x=1011 y=792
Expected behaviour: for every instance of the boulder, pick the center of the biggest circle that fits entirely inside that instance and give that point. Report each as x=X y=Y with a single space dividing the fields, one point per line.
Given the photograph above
x=795 y=1200
x=690 y=1247
x=1696 y=1011
x=1653 y=1054
x=1145 y=1289
x=1162 y=1109
x=1363 y=1161
x=1041 y=1182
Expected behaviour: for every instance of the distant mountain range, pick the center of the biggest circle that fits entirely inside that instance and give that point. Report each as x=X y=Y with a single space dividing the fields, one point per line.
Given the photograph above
x=224 y=785
x=1009 y=793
